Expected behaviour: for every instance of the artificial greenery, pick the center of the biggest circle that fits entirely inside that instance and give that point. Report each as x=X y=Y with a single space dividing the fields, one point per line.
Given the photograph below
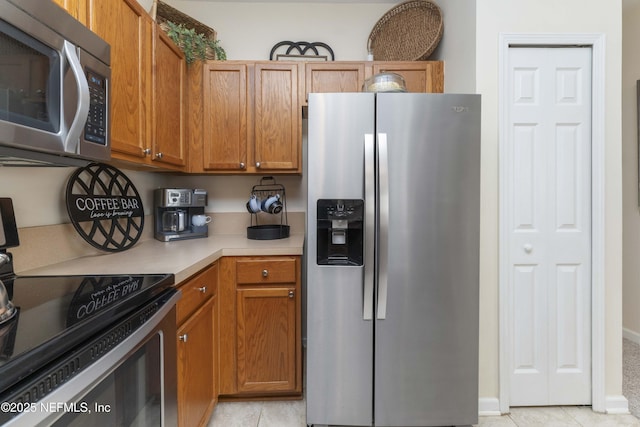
x=194 y=45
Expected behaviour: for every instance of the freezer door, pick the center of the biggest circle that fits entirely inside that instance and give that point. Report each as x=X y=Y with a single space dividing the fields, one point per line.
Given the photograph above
x=426 y=335
x=339 y=388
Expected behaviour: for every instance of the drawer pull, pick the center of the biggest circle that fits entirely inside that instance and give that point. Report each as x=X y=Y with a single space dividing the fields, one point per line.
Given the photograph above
x=203 y=289
x=183 y=337
x=291 y=294
x=265 y=273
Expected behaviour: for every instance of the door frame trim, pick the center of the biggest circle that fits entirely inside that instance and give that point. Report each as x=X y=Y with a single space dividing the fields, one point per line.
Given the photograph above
x=597 y=43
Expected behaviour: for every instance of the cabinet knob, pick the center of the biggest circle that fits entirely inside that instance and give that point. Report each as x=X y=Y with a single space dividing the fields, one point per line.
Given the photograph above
x=291 y=294
x=202 y=289
x=258 y=164
x=265 y=273
x=183 y=337
x=159 y=155
x=242 y=165
x=146 y=151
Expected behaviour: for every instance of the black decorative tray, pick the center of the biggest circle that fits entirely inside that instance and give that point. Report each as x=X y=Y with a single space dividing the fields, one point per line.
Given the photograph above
x=268 y=232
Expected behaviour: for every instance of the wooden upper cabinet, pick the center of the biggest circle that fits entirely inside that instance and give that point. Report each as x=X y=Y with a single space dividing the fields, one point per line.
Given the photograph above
x=327 y=77
x=127 y=27
x=76 y=8
x=419 y=76
x=225 y=117
x=324 y=77
x=169 y=139
x=246 y=116
x=252 y=118
x=278 y=117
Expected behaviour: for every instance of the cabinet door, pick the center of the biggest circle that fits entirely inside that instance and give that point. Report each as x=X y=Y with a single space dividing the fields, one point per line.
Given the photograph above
x=277 y=117
x=76 y=8
x=169 y=103
x=127 y=27
x=266 y=339
x=225 y=116
x=328 y=77
x=196 y=381
x=419 y=76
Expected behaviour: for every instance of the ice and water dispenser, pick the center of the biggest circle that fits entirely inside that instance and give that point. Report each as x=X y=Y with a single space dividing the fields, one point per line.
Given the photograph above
x=340 y=232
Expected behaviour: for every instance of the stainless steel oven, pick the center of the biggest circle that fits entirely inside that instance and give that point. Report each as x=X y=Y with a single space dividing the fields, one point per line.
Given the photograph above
x=54 y=86
x=89 y=351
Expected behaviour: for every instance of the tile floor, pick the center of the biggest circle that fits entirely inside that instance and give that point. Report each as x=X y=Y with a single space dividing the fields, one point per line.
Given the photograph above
x=292 y=414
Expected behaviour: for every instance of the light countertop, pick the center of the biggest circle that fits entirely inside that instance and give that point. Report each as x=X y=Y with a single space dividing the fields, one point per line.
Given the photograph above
x=182 y=258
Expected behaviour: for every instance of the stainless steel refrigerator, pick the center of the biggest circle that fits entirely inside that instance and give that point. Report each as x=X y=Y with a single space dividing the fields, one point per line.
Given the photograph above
x=392 y=259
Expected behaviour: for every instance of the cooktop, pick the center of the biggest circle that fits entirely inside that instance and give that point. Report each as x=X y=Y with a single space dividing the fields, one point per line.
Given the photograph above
x=56 y=313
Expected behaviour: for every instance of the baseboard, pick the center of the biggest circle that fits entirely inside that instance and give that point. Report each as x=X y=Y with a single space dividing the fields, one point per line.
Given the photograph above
x=631 y=335
x=488 y=407
x=616 y=405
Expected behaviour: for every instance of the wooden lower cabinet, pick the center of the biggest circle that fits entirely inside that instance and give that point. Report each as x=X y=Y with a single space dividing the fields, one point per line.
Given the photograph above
x=266 y=339
x=197 y=349
x=260 y=327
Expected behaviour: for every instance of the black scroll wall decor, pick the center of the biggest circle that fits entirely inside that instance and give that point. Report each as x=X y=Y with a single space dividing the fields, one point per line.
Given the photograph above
x=104 y=207
x=306 y=50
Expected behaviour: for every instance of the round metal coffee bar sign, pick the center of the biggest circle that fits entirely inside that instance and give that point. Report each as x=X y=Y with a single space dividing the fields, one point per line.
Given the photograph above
x=105 y=207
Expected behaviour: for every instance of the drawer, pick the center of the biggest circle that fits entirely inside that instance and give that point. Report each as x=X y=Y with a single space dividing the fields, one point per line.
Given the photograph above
x=195 y=292
x=265 y=271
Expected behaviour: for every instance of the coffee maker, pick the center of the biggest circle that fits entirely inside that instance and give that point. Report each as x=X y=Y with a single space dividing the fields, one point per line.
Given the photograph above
x=174 y=209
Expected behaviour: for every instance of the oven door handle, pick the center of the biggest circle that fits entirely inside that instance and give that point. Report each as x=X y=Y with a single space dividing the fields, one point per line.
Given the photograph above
x=78 y=386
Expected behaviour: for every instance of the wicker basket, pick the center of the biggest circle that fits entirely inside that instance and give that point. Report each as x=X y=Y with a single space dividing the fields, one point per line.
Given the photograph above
x=410 y=31
x=163 y=13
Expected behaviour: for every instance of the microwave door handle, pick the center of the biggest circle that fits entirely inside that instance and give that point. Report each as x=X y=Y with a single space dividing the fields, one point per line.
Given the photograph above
x=82 y=107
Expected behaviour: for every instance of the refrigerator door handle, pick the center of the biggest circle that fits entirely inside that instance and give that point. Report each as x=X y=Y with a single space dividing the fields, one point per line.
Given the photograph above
x=370 y=226
x=383 y=212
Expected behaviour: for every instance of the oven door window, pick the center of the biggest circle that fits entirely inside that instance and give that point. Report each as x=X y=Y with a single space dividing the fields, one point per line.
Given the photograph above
x=30 y=80
x=131 y=395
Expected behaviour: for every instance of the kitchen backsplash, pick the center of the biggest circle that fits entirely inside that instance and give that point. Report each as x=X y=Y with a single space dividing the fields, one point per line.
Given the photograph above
x=38 y=193
x=51 y=244
x=47 y=237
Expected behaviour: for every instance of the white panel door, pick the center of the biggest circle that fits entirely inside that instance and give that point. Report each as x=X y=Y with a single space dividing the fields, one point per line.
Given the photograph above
x=549 y=195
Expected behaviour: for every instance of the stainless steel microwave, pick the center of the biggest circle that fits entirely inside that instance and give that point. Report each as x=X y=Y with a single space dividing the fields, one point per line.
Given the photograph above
x=54 y=87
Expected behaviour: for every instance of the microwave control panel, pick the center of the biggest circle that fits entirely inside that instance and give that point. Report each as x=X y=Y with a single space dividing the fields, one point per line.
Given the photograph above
x=96 y=128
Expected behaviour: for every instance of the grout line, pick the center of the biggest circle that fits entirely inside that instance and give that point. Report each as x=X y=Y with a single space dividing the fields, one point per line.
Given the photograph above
x=260 y=416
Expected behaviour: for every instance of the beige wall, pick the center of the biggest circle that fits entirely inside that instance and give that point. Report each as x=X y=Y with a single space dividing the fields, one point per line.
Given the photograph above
x=578 y=16
x=631 y=224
